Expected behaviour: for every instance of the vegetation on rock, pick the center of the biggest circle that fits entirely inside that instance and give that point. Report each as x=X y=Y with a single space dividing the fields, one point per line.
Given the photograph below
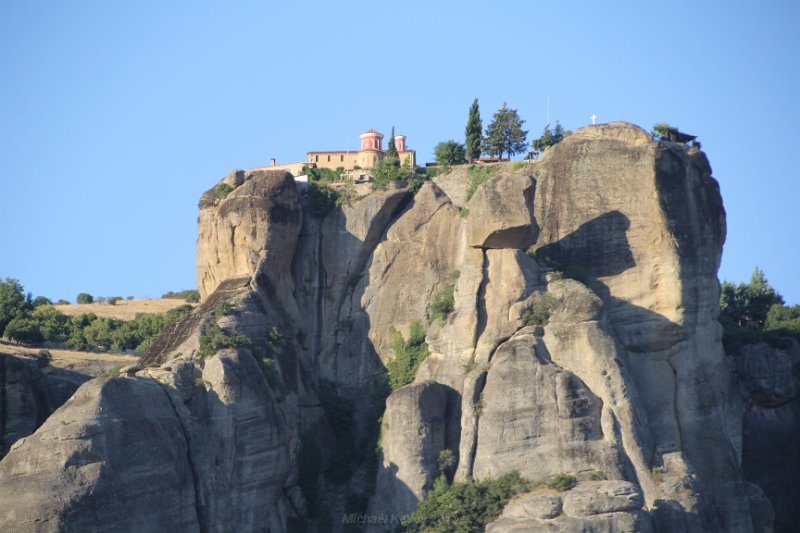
x=219 y=192
x=478 y=175
x=443 y=301
x=321 y=199
x=550 y=137
x=408 y=354
x=538 y=312
x=465 y=507
x=215 y=338
x=755 y=312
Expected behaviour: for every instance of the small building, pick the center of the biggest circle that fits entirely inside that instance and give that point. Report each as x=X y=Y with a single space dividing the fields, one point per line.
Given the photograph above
x=367 y=157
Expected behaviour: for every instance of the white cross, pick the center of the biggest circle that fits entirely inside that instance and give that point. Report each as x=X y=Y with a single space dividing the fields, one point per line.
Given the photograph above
x=593 y=117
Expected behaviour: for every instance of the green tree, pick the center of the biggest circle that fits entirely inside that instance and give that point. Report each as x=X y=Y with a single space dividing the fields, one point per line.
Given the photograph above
x=85 y=298
x=505 y=133
x=449 y=153
x=550 y=137
x=664 y=132
x=747 y=304
x=24 y=329
x=391 y=152
x=474 y=132
x=13 y=302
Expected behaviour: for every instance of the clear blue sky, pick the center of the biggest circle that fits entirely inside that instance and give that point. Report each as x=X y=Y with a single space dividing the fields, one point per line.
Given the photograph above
x=116 y=116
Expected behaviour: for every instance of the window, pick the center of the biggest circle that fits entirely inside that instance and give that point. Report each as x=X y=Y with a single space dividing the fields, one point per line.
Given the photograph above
x=329 y=159
x=341 y=158
x=317 y=161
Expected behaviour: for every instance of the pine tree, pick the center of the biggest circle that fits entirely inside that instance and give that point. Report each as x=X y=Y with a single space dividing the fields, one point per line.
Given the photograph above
x=391 y=152
x=474 y=132
x=505 y=133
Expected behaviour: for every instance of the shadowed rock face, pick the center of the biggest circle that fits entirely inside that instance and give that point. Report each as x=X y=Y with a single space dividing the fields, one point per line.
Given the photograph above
x=626 y=380
x=29 y=394
x=770 y=382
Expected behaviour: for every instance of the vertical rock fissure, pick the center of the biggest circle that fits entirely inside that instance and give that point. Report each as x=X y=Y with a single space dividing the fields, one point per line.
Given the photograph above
x=480 y=302
x=318 y=293
x=198 y=504
x=675 y=406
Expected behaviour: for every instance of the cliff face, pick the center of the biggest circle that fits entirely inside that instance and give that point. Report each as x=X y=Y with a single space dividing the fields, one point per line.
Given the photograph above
x=627 y=381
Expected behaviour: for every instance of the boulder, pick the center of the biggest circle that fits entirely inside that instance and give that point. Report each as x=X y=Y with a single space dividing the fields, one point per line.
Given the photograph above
x=501 y=213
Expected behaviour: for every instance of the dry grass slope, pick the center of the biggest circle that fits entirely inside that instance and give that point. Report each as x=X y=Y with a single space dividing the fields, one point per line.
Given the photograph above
x=124 y=309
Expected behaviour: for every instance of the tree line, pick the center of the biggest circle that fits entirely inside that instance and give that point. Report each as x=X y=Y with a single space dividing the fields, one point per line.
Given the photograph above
x=503 y=135
x=36 y=321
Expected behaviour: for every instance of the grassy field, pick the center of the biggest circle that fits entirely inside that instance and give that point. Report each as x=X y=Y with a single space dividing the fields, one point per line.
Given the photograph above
x=90 y=363
x=123 y=309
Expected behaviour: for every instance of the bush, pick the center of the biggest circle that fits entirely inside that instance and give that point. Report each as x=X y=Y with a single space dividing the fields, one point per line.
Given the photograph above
x=222 y=309
x=450 y=153
x=386 y=172
x=189 y=295
x=465 y=507
x=538 y=312
x=219 y=192
x=25 y=330
x=443 y=301
x=323 y=175
x=478 y=175
x=321 y=199
x=85 y=298
x=44 y=357
x=563 y=482
x=214 y=339
x=112 y=300
x=408 y=355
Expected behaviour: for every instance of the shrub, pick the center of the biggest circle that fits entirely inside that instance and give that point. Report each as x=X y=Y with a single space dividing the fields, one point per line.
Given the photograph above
x=44 y=357
x=321 y=199
x=538 y=312
x=219 y=192
x=450 y=153
x=214 y=339
x=408 y=355
x=563 y=482
x=85 y=298
x=596 y=475
x=189 y=295
x=25 y=330
x=443 y=301
x=465 y=507
x=66 y=302
x=386 y=172
x=41 y=300
x=222 y=309
x=112 y=300
x=478 y=175
x=464 y=212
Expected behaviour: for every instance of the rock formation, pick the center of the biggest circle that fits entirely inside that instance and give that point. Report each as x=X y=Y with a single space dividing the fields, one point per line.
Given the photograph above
x=263 y=414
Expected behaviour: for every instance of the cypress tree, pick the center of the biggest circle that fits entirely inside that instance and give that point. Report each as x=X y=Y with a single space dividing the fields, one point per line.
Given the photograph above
x=474 y=132
x=391 y=151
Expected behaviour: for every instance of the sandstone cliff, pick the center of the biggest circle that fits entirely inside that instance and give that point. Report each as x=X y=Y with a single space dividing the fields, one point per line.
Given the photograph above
x=263 y=415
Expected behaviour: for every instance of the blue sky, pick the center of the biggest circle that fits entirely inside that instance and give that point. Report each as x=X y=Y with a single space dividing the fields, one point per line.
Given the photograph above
x=116 y=116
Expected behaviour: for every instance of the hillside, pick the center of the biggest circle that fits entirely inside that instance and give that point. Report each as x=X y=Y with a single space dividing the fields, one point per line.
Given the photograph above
x=123 y=309
x=548 y=329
